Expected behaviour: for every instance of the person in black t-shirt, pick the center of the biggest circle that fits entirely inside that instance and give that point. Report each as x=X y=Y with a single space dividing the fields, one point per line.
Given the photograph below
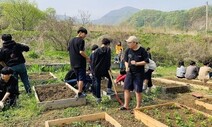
x=135 y=59
x=101 y=63
x=12 y=55
x=78 y=58
x=8 y=87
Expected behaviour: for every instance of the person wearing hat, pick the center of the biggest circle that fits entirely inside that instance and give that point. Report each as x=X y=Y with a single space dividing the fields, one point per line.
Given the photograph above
x=8 y=88
x=101 y=63
x=135 y=59
x=78 y=59
x=12 y=55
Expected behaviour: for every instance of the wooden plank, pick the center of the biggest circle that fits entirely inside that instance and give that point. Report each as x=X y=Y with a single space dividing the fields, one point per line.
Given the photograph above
x=182 y=83
x=147 y=120
x=83 y=118
x=204 y=104
x=52 y=75
x=151 y=122
x=36 y=95
x=111 y=120
x=71 y=87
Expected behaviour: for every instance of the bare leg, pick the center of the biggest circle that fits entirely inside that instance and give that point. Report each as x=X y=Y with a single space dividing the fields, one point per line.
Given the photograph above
x=80 y=86
x=126 y=98
x=138 y=99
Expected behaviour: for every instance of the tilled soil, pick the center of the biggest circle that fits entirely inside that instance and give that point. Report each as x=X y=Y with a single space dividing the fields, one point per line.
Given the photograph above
x=40 y=76
x=54 y=92
x=191 y=81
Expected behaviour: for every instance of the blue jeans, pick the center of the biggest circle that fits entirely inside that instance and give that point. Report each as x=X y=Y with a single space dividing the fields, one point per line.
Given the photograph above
x=20 y=70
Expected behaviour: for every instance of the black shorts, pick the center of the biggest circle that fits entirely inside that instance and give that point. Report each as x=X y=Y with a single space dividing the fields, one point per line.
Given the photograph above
x=134 y=82
x=80 y=73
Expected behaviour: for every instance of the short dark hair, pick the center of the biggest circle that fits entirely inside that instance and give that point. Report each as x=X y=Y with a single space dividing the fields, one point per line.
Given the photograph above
x=192 y=63
x=148 y=48
x=94 y=47
x=82 y=30
x=7 y=70
x=206 y=62
x=180 y=63
x=105 y=41
x=6 y=37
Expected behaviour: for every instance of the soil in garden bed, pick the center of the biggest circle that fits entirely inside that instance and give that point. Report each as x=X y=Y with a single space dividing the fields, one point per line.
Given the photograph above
x=190 y=81
x=163 y=84
x=98 y=123
x=40 y=76
x=119 y=88
x=208 y=100
x=54 y=92
x=185 y=99
x=175 y=116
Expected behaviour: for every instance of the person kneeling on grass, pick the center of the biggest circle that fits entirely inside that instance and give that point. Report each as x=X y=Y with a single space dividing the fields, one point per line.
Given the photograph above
x=8 y=88
x=204 y=72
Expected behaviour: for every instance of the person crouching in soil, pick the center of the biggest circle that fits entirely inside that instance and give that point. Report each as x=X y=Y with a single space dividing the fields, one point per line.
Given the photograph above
x=8 y=88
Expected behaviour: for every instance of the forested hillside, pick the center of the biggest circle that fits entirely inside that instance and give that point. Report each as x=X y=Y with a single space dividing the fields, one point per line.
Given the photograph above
x=192 y=19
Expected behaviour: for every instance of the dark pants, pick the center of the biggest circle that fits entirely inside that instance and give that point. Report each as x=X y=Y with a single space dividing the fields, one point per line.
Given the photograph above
x=148 y=76
x=21 y=70
x=97 y=85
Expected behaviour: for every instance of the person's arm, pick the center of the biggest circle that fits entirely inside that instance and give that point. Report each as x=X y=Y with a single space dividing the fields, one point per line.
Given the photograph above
x=22 y=47
x=85 y=56
x=7 y=94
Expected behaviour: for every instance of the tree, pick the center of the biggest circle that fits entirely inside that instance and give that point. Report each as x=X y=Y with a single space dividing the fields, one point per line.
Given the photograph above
x=85 y=17
x=21 y=14
x=57 y=31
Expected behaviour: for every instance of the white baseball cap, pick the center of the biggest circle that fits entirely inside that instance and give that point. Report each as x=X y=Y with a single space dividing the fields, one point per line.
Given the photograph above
x=132 y=39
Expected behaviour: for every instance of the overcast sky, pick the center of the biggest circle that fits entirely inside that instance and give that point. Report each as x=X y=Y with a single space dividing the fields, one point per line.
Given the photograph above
x=98 y=8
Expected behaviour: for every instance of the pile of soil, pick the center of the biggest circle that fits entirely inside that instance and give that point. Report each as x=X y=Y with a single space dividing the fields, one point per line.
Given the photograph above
x=40 y=76
x=54 y=92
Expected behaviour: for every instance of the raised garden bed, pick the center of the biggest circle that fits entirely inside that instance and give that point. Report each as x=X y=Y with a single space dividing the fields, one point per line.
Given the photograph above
x=172 y=115
x=53 y=96
x=171 y=87
x=206 y=102
x=42 y=78
x=194 y=83
x=196 y=86
x=92 y=120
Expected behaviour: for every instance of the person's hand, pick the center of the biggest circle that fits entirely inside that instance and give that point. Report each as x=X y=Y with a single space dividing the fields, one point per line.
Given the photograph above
x=88 y=60
x=133 y=62
x=1 y=105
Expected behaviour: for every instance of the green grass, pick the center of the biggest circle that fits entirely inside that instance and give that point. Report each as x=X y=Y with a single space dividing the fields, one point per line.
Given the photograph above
x=169 y=71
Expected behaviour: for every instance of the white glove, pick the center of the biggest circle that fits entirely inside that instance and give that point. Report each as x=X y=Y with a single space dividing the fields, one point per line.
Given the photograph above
x=1 y=105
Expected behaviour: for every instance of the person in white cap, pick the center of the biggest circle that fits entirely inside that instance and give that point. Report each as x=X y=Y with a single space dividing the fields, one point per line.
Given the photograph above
x=135 y=59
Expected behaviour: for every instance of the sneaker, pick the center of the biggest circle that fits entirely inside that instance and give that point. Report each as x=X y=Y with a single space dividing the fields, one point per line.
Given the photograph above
x=98 y=100
x=148 y=90
x=80 y=95
x=110 y=91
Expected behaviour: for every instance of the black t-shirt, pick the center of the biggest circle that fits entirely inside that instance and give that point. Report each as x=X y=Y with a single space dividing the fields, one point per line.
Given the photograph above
x=76 y=45
x=11 y=86
x=138 y=55
x=101 y=61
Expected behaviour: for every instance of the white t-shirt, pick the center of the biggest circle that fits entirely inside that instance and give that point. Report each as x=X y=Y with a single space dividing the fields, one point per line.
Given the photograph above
x=181 y=71
x=151 y=65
